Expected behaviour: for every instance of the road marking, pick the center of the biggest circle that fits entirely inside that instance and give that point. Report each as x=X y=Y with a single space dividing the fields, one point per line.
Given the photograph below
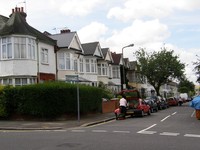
x=174 y=113
x=147 y=132
x=193 y=113
x=169 y=133
x=77 y=130
x=121 y=131
x=99 y=131
x=192 y=135
x=147 y=128
x=165 y=118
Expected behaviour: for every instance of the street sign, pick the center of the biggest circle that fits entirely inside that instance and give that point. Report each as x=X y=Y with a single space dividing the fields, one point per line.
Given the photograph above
x=71 y=78
x=74 y=78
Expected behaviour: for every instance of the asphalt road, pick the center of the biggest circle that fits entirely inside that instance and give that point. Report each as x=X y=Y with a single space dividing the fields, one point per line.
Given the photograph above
x=175 y=128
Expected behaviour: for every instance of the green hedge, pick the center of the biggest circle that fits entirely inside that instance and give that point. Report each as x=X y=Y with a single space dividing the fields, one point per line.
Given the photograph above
x=50 y=99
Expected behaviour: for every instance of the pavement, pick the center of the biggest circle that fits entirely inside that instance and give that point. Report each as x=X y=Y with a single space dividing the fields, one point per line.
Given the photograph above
x=84 y=121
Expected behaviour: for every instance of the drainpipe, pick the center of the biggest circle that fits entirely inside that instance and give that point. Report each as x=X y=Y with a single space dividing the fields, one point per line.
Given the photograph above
x=38 y=61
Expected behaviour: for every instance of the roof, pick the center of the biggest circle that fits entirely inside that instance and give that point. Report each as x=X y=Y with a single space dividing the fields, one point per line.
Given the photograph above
x=104 y=51
x=63 y=39
x=67 y=39
x=17 y=24
x=3 y=21
x=89 y=48
x=116 y=58
x=92 y=49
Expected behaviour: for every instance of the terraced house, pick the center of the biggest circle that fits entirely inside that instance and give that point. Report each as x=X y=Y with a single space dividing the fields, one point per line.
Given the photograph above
x=26 y=55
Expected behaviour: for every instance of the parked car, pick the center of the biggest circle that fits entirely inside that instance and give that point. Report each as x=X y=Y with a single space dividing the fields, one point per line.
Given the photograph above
x=172 y=101
x=158 y=101
x=153 y=105
x=136 y=106
x=165 y=102
x=162 y=103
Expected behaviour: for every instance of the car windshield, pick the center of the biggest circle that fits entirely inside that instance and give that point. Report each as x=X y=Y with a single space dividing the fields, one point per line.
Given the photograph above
x=133 y=103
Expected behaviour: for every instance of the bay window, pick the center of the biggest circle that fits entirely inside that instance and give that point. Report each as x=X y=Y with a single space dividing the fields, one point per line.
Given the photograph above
x=17 y=47
x=66 y=61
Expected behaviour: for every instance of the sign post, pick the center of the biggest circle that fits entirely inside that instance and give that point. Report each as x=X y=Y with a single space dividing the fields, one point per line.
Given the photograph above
x=75 y=79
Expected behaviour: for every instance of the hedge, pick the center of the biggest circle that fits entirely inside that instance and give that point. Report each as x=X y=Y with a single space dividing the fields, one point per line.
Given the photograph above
x=50 y=99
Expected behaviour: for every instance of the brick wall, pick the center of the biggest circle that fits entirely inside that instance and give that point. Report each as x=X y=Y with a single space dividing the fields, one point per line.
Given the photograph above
x=109 y=106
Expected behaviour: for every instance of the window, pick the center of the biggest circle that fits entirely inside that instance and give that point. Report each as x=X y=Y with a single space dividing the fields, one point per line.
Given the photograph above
x=87 y=63
x=116 y=72
x=110 y=71
x=20 y=81
x=7 y=81
x=6 y=52
x=81 y=64
x=19 y=47
x=44 y=56
x=99 y=69
x=102 y=69
x=32 y=80
x=92 y=66
x=75 y=65
x=66 y=61
x=31 y=48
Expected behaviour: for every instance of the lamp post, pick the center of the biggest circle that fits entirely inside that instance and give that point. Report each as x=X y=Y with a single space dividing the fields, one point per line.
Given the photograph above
x=124 y=84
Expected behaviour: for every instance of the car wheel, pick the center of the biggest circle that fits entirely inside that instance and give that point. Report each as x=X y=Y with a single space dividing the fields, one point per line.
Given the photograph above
x=149 y=112
x=156 y=109
x=142 y=113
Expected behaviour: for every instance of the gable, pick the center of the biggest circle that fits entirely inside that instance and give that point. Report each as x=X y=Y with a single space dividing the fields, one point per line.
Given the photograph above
x=98 y=52
x=75 y=44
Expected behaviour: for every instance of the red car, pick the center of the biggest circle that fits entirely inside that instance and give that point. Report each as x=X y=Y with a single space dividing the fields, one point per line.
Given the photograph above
x=136 y=106
x=172 y=101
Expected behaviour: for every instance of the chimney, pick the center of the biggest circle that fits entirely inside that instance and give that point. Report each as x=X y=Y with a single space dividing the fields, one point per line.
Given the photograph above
x=65 y=31
x=19 y=10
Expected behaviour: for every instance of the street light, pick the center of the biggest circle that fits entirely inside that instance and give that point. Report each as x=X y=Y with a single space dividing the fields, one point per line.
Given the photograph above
x=124 y=84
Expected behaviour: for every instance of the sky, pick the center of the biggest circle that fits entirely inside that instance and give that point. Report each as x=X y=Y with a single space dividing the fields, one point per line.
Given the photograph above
x=149 y=24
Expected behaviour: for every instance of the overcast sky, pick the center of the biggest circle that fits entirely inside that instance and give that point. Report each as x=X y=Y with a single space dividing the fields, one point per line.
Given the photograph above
x=150 y=24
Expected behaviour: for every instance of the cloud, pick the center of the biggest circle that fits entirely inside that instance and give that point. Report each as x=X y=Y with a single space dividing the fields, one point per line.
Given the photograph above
x=141 y=33
x=79 y=8
x=135 y=9
x=92 y=32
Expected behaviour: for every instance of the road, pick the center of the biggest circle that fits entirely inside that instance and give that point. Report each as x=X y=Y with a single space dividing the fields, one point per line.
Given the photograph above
x=175 y=128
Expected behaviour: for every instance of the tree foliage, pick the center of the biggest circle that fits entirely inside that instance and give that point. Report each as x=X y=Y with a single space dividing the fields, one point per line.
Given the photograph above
x=160 y=67
x=186 y=86
x=197 y=68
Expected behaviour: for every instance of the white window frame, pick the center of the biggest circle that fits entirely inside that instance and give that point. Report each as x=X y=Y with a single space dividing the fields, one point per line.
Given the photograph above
x=20 y=50
x=103 y=69
x=6 y=48
x=17 y=47
x=44 y=56
x=87 y=65
x=66 y=61
x=116 y=72
x=81 y=65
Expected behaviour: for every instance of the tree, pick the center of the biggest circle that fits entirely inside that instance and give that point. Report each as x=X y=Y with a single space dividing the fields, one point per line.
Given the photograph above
x=160 y=67
x=197 y=68
x=186 y=86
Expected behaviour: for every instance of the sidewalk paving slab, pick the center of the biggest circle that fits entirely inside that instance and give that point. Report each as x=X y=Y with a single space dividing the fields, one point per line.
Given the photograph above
x=84 y=121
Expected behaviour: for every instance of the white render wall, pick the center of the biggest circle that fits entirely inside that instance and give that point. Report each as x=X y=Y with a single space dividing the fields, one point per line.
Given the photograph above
x=51 y=66
x=18 y=67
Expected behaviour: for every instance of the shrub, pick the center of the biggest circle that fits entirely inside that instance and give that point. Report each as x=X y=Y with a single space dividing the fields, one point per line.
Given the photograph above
x=51 y=99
